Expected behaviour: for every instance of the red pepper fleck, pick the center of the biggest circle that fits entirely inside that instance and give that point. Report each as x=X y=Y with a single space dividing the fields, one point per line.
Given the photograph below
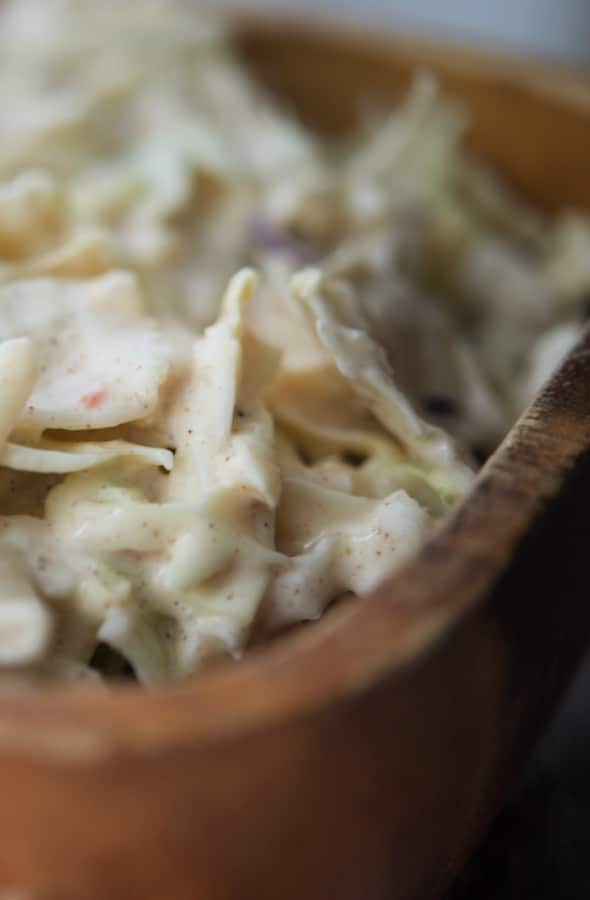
x=91 y=401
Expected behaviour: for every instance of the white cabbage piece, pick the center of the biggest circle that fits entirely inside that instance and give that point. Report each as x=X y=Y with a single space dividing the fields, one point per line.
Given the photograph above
x=61 y=457
x=363 y=363
x=100 y=362
x=41 y=552
x=337 y=543
x=222 y=433
x=26 y=623
x=140 y=641
x=543 y=361
x=18 y=373
x=416 y=135
x=87 y=253
x=434 y=364
x=567 y=267
x=32 y=214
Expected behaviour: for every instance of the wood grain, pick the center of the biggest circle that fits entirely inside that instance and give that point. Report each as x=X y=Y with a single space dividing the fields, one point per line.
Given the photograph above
x=358 y=759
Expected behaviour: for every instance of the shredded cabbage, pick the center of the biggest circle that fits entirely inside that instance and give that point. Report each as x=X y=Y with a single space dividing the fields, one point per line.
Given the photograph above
x=243 y=371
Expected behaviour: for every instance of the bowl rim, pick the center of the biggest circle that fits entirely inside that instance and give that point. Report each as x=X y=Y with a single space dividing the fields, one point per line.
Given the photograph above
x=351 y=648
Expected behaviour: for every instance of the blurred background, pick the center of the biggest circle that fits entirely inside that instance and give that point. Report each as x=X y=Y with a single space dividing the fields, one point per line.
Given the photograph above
x=558 y=29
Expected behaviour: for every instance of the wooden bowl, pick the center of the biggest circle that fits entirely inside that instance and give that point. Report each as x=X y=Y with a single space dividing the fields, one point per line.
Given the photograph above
x=360 y=758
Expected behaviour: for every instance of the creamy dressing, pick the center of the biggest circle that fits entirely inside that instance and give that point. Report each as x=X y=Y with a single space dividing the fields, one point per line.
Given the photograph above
x=191 y=453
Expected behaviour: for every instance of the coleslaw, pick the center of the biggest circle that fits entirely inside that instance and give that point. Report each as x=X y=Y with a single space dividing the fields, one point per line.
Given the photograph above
x=243 y=371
